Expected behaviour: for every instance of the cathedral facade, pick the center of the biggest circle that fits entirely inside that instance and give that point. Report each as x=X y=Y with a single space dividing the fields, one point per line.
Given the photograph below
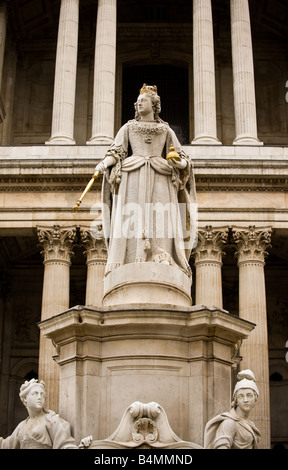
x=70 y=72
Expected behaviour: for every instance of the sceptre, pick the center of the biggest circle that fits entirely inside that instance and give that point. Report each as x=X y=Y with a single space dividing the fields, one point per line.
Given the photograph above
x=89 y=185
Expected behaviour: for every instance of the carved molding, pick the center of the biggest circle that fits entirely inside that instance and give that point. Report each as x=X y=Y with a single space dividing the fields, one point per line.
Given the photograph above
x=144 y=426
x=57 y=243
x=252 y=244
x=210 y=245
x=204 y=183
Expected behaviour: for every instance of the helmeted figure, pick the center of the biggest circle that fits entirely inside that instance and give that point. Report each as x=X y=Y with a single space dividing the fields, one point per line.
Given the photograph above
x=233 y=429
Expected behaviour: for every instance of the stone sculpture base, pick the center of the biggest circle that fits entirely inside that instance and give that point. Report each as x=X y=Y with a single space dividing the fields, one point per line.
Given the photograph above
x=147 y=283
x=111 y=357
x=144 y=426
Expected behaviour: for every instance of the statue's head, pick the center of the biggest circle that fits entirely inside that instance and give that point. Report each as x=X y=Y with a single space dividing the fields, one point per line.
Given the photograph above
x=151 y=92
x=28 y=388
x=245 y=389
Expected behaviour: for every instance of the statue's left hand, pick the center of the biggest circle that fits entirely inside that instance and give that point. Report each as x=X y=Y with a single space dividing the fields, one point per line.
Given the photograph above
x=181 y=164
x=86 y=441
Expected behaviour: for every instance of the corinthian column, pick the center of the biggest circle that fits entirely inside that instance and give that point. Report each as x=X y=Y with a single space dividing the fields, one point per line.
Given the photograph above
x=57 y=243
x=96 y=253
x=208 y=264
x=204 y=74
x=65 y=74
x=104 y=73
x=243 y=74
x=252 y=245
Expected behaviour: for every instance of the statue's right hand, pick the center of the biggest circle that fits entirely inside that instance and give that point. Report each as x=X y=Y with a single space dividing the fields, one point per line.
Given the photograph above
x=101 y=167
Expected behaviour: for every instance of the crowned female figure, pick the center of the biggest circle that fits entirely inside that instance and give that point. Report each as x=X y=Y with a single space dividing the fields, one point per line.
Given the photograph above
x=146 y=197
x=234 y=429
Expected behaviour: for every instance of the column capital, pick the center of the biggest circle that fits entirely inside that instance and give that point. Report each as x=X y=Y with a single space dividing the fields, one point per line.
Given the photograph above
x=210 y=245
x=56 y=242
x=94 y=242
x=252 y=244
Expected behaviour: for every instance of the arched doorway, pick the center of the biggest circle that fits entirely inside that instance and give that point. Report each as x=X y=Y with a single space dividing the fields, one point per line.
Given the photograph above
x=172 y=85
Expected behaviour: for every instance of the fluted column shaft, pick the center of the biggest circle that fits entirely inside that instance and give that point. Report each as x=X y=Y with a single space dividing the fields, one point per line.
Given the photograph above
x=96 y=254
x=252 y=245
x=65 y=74
x=208 y=264
x=56 y=243
x=104 y=73
x=3 y=27
x=243 y=74
x=204 y=74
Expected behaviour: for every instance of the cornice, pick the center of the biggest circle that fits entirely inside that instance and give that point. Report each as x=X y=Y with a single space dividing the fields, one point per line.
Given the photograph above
x=71 y=183
x=241 y=184
x=48 y=174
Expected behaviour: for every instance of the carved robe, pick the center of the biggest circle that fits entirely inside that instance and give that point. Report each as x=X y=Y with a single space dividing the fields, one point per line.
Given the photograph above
x=228 y=430
x=48 y=432
x=143 y=219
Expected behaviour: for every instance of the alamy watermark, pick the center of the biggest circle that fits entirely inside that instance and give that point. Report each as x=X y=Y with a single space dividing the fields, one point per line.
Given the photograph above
x=148 y=220
x=286 y=96
x=286 y=355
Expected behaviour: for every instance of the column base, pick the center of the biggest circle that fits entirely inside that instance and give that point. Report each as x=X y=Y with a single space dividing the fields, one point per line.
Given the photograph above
x=246 y=140
x=206 y=140
x=147 y=283
x=60 y=140
x=101 y=139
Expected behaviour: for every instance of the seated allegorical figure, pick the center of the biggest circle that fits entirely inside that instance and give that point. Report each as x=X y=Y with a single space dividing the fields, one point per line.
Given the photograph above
x=234 y=429
x=42 y=429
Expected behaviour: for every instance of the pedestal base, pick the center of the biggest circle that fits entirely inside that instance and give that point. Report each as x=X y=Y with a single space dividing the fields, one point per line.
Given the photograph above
x=147 y=283
x=111 y=357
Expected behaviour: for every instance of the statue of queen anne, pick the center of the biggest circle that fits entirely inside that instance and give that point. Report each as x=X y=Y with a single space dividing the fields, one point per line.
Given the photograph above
x=146 y=197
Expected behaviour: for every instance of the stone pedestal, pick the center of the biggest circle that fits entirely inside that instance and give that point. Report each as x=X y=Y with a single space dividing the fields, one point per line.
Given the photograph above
x=148 y=283
x=180 y=358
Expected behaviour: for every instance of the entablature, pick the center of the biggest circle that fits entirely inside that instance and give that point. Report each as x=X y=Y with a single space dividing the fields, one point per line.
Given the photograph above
x=221 y=168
